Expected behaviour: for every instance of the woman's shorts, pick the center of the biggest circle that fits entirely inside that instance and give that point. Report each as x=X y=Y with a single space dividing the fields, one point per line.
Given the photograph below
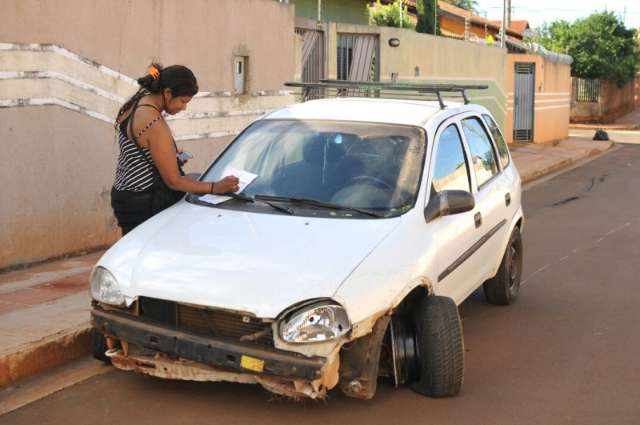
x=131 y=208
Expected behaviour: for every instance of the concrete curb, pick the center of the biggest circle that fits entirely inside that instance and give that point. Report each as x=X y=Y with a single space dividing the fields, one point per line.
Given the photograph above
x=47 y=353
x=534 y=175
x=605 y=127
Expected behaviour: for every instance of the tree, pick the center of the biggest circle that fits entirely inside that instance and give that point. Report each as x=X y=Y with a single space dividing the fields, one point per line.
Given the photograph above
x=554 y=36
x=389 y=15
x=600 y=45
x=426 y=16
x=469 y=5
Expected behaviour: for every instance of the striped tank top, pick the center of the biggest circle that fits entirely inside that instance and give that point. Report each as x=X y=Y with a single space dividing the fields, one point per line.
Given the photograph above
x=134 y=171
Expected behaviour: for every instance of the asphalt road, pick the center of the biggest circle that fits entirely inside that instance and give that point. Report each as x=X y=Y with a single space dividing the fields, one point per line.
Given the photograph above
x=565 y=353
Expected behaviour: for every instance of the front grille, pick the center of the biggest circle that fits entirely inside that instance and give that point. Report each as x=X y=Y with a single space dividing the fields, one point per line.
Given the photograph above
x=206 y=322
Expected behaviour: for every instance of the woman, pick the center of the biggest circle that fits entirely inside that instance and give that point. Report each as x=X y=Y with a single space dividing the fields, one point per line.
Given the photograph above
x=149 y=176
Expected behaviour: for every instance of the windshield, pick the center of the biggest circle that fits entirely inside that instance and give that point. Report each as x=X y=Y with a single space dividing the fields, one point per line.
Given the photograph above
x=351 y=164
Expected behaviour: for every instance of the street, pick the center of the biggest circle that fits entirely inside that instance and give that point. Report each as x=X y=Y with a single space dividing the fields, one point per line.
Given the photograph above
x=564 y=353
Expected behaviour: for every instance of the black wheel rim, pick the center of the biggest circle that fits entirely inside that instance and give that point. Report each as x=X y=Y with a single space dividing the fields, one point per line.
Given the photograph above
x=514 y=266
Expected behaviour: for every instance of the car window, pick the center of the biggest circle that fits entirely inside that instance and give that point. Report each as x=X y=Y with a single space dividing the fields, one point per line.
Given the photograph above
x=451 y=170
x=352 y=164
x=503 y=151
x=483 y=157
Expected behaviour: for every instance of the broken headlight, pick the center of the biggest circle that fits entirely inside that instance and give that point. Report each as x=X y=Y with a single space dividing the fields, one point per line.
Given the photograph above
x=104 y=287
x=315 y=323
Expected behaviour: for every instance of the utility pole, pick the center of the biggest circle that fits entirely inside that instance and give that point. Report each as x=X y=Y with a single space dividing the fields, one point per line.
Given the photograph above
x=508 y=23
x=435 y=17
x=503 y=32
x=319 y=10
x=401 y=14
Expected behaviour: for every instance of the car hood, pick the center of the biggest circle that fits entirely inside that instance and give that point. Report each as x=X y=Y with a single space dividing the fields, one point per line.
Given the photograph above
x=251 y=262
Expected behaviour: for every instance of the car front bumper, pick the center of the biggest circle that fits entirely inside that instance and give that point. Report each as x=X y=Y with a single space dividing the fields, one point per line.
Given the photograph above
x=220 y=354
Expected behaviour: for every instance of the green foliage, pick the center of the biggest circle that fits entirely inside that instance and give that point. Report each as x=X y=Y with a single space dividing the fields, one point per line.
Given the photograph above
x=426 y=16
x=600 y=45
x=389 y=15
x=469 y=5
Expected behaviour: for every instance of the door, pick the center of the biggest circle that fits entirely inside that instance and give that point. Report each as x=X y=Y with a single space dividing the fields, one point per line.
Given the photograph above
x=358 y=60
x=454 y=235
x=312 y=54
x=524 y=102
x=489 y=196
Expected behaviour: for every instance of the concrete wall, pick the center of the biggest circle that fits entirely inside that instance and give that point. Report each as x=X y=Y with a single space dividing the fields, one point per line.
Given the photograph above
x=613 y=103
x=126 y=35
x=552 y=98
x=425 y=58
x=347 y=11
x=59 y=95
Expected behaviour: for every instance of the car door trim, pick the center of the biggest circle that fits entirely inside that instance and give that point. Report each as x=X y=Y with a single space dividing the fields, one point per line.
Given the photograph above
x=469 y=252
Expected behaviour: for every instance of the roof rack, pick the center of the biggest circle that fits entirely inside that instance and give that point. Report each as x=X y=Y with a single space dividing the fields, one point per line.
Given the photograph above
x=383 y=90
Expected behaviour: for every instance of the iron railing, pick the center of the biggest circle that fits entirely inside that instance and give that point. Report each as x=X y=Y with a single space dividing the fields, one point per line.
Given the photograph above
x=586 y=90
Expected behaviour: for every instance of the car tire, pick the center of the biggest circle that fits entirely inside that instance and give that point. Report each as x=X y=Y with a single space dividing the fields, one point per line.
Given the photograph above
x=99 y=346
x=439 y=348
x=504 y=287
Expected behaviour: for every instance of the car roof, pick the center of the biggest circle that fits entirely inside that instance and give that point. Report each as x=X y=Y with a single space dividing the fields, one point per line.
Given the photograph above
x=389 y=111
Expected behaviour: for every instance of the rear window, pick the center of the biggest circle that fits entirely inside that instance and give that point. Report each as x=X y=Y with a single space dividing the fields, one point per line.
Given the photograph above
x=483 y=158
x=503 y=151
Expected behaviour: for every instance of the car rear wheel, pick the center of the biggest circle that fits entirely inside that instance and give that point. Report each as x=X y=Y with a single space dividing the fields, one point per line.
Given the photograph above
x=439 y=347
x=503 y=288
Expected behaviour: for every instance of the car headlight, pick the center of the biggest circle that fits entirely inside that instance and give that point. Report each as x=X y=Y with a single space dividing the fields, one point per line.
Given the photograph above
x=315 y=323
x=104 y=287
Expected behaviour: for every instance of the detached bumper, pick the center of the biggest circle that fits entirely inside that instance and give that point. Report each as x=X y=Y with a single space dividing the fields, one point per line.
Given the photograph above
x=227 y=355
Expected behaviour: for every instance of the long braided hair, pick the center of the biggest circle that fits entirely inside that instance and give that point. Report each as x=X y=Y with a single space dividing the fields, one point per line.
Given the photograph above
x=178 y=78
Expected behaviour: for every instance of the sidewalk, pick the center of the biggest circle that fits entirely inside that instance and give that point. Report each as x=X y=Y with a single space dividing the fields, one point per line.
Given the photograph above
x=44 y=310
x=537 y=160
x=44 y=313
x=631 y=121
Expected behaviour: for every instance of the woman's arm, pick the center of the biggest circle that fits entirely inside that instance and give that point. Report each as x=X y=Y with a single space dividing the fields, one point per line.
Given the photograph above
x=160 y=142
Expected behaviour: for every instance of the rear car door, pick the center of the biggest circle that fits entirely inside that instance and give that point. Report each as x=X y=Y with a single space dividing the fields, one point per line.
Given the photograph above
x=491 y=217
x=509 y=180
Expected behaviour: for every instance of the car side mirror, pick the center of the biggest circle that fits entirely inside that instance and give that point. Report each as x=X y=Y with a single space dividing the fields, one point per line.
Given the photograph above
x=449 y=202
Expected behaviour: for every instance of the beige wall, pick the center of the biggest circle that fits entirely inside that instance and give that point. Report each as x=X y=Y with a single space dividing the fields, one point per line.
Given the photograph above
x=59 y=150
x=127 y=35
x=57 y=168
x=551 y=99
x=425 y=58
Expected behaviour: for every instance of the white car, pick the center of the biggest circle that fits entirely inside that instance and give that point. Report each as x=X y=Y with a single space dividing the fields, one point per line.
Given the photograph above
x=364 y=222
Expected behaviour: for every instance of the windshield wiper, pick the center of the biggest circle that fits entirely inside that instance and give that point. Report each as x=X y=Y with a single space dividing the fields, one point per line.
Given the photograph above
x=316 y=203
x=246 y=198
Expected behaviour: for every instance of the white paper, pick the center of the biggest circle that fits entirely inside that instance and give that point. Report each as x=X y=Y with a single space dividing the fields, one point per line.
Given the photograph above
x=214 y=199
x=244 y=179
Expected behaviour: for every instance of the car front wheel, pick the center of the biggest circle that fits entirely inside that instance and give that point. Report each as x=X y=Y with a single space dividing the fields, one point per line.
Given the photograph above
x=439 y=347
x=99 y=346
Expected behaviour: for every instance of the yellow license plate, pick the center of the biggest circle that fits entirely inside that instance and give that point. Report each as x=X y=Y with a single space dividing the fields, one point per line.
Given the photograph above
x=252 y=363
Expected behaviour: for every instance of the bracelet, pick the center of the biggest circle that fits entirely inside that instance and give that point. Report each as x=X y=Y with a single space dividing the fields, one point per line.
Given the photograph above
x=213 y=184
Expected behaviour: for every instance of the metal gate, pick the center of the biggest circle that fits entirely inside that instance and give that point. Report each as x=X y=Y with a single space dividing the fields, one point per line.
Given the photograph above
x=312 y=54
x=358 y=57
x=525 y=74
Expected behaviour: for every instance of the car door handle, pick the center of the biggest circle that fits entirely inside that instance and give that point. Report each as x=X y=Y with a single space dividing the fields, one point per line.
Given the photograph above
x=507 y=199
x=478 y=219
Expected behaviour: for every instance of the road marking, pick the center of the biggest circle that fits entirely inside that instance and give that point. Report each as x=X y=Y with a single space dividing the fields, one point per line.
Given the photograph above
x=578 y=249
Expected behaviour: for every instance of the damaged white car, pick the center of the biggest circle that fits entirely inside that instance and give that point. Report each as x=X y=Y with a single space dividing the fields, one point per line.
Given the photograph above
x=361 y=225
